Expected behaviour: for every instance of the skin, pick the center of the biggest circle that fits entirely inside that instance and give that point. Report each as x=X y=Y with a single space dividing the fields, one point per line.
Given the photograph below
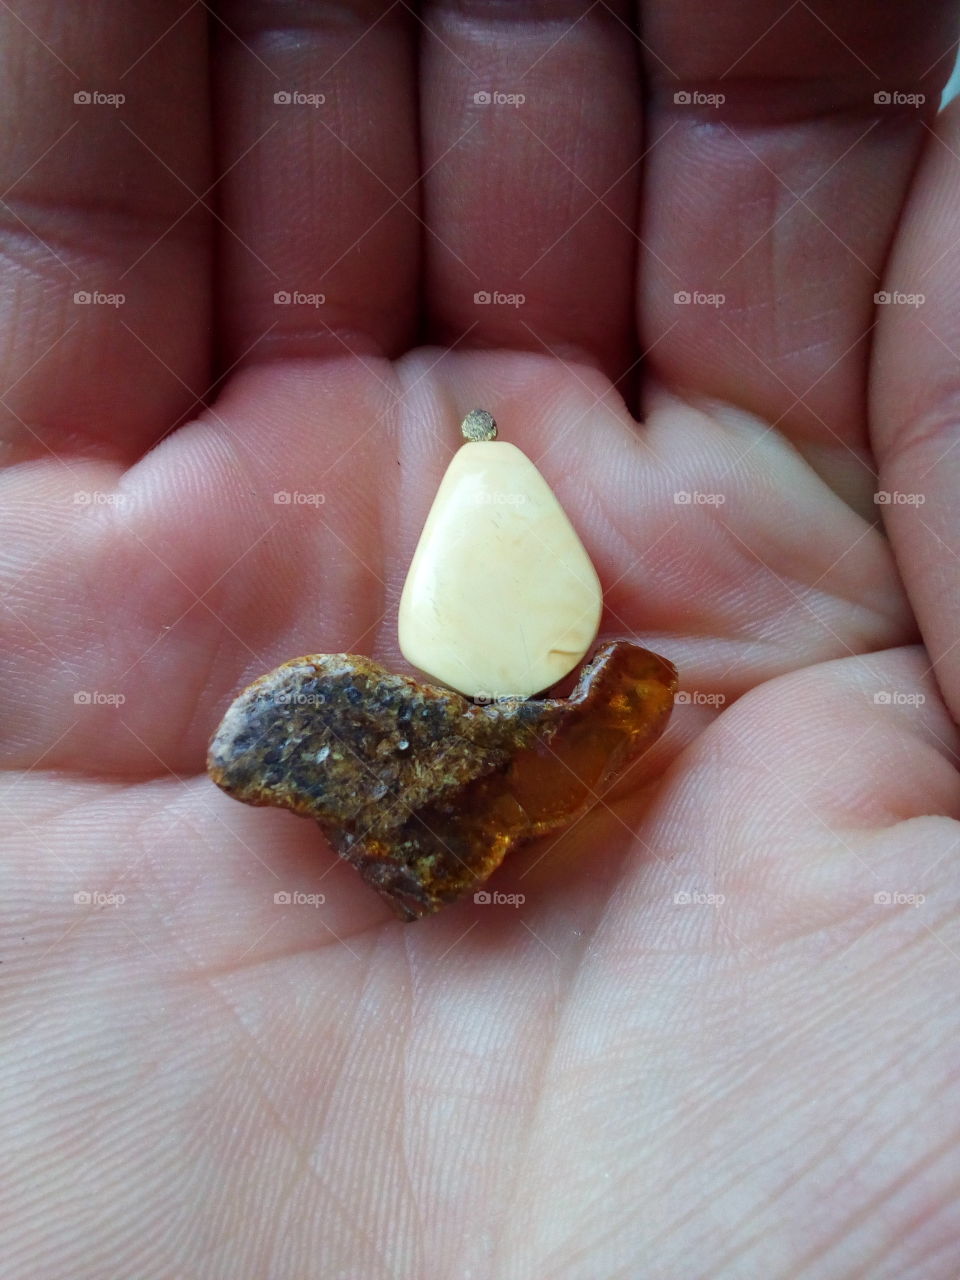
x=623 y=1076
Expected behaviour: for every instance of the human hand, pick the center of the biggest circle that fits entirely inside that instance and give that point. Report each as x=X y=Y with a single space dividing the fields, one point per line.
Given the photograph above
x=703 y=1045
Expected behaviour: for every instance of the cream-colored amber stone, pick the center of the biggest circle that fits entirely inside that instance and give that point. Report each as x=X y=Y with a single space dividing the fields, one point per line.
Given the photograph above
x=501 y=598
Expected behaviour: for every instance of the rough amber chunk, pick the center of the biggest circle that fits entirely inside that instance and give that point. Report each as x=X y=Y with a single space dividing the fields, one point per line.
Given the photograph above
x=424 y=792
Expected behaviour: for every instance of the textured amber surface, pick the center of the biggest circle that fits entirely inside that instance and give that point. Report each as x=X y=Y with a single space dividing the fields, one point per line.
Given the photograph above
x=424 y=792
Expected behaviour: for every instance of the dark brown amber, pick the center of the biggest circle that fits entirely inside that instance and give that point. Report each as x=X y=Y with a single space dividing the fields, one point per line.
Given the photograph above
x=424 y=792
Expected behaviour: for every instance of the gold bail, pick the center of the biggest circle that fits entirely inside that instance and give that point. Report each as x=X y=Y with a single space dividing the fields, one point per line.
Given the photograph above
x=479 y=425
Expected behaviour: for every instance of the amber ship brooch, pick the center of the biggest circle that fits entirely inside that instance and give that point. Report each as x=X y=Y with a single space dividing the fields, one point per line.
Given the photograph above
x=425 y=789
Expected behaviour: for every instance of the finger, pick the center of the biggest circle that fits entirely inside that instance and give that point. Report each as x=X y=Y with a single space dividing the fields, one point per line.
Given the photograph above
x=782 y=201
x=104 y=293
x=916 y=395
x=317 y=130
x=531 y=154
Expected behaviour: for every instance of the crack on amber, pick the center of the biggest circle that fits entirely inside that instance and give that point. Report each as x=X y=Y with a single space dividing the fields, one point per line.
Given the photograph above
x=424 y=792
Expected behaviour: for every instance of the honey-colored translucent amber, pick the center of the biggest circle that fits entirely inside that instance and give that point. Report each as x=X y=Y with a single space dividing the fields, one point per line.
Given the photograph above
x=424 y=792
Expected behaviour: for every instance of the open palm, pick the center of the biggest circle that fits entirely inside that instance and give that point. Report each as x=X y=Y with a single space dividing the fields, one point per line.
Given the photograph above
x=717 y=1038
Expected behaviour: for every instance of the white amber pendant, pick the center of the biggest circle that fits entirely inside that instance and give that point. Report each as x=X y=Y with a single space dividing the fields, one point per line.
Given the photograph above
x=501 y=598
